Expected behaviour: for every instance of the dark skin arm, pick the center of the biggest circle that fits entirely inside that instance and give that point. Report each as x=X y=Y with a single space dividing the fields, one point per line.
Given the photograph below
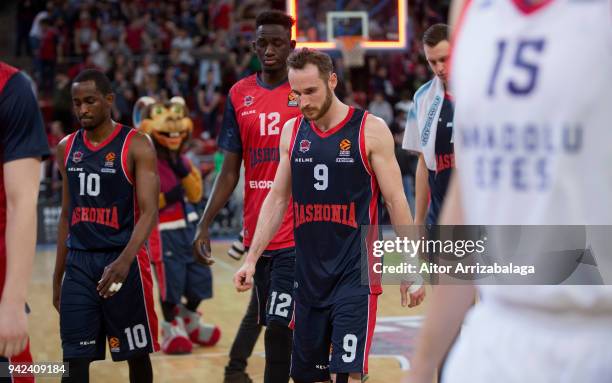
x=62 y=230
x=142 y=163
x=222 y=190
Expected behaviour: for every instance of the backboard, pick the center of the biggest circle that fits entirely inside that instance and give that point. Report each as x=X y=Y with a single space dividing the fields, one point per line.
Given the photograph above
x=382 y=24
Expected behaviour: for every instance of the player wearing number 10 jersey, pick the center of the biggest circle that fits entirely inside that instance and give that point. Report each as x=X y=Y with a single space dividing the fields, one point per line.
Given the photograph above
x=109 y=206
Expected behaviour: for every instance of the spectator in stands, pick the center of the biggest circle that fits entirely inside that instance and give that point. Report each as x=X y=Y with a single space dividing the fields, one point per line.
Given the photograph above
x=62 y=100
x=183 y=43
x=26 y=11
x=85 y=32
x=209 y=96
x=99 y=56
x=48 y=54
x=133 y=35
x=169 y=48
x=381 y=108
x=54 y=136
x=148 y=67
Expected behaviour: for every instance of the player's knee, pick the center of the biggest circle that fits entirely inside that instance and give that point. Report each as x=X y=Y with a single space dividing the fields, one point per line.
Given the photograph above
x=346 y=377
x=278 y=338
x=141 y=370
x=78 y=370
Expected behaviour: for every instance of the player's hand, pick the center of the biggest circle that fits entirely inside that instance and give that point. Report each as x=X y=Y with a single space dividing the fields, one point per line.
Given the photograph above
x=243 y=279
x=416 y=292
x=201 y=247
x=113 y=277
x=57 y=290
x=13 y=329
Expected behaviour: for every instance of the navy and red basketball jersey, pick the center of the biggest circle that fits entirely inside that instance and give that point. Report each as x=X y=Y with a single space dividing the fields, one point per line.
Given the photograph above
x=335 y=193
x=22 y=135
x=103 y=207
x=254 y=117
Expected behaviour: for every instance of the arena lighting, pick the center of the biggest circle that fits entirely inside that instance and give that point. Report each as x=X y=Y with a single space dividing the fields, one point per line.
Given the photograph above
x=370 y=44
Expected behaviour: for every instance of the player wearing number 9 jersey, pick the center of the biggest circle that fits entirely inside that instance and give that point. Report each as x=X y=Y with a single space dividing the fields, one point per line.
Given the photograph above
x=109 y=206
x=335 y=162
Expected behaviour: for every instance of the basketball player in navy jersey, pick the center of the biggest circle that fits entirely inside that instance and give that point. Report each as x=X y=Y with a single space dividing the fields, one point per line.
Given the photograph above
x=335 y=161
x=102 y=284
x=436 y=159
x=22 y=145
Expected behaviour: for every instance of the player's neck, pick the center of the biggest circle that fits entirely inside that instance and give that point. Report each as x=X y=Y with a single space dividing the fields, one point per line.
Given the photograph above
x=336 y=114
x=101 y=132
x=273 y=78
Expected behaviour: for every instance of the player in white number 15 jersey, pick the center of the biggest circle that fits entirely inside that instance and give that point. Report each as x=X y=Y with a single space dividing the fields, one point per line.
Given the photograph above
x=533 y=144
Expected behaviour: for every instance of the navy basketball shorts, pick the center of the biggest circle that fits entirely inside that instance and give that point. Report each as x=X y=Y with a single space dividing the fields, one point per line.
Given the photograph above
x=346 y=327
x=179 y=275
x=274 y=279
x=126 y=320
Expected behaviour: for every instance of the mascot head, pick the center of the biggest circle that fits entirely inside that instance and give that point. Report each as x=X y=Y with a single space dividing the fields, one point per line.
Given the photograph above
x=167 y=123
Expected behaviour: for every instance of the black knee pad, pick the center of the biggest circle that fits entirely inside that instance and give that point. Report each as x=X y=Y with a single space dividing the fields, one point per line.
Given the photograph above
x=278 y=340
x=342 y=377
x=78 y=368
x=141 y=370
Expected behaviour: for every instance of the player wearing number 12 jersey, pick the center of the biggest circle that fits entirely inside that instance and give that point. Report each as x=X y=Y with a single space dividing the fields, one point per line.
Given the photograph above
x=258 y=107
x=335 y=162
x=109 y=206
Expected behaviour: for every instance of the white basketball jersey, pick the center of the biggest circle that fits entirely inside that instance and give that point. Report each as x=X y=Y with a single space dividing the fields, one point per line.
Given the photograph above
x=533 y=120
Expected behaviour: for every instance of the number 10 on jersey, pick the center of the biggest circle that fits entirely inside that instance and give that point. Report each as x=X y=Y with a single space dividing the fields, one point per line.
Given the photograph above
x=89 y=184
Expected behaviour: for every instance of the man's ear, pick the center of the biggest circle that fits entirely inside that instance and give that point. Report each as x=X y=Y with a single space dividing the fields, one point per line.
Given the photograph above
x=110 y=98
x=333 y=81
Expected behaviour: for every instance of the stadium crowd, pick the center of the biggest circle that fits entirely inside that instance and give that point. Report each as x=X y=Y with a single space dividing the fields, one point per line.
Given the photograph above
x=198 y=49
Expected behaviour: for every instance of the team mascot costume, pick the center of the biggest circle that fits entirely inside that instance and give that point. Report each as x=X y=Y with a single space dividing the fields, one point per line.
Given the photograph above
x=183 y=283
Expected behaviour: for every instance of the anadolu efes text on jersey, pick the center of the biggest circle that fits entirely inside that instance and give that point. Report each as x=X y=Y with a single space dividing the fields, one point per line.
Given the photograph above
x=103 y=209
x=533 y=111
x=335 y=196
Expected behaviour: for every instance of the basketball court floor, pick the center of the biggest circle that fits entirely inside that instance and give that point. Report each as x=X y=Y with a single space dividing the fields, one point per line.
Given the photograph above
x=392 y=347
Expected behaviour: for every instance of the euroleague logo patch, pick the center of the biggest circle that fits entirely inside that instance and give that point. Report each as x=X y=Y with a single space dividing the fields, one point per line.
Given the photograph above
x=292 y=99
x=248 y=100
x=113 y=343
x=77 y=156
x=109 y=163
x=345 y=152
x=345 y=145
x=110 y=159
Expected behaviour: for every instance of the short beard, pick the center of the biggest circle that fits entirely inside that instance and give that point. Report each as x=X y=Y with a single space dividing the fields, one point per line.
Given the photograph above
x=326 y=104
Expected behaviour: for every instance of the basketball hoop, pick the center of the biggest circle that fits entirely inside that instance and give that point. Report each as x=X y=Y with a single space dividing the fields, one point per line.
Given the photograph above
x=352 y=51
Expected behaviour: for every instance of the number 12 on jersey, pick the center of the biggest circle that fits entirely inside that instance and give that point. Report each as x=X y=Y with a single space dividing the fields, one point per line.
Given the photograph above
x=269 y=121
